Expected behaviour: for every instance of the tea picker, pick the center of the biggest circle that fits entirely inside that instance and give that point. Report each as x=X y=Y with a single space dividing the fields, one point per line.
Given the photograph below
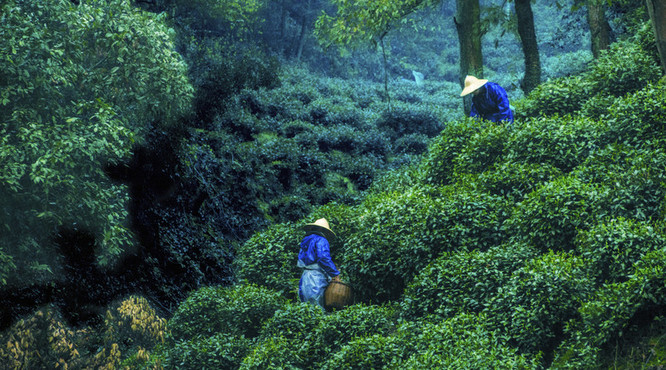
x=319 y=270
x=489 y=100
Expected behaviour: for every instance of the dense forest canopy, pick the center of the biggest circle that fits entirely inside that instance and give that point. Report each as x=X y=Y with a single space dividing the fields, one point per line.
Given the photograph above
x=159 y=158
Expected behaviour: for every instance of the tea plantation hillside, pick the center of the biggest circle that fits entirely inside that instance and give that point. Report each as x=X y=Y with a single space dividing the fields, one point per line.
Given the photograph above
x=536 y=245
x=469 y=245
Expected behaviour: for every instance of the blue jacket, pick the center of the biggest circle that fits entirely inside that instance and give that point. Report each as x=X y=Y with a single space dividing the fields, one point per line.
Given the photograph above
x=492 y=104
x=315 y=248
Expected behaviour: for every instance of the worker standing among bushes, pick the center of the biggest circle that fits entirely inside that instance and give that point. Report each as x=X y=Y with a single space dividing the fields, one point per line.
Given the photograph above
x=314 y=258
x=490 y=100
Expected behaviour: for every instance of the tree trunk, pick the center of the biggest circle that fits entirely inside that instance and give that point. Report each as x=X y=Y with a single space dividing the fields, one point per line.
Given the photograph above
x=283 y=30
x=599 y=27
x=529 y=42
x=304 y=27
x=468 y=25
x=301 y=38
x=657 y=10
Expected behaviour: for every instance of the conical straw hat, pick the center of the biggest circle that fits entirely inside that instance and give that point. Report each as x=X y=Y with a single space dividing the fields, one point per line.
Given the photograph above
x=321 y=225
x=472 y=83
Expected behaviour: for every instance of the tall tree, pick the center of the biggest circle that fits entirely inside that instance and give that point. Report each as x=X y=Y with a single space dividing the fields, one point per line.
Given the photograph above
x=80 y=85
x=529 y=43
x=599 y=28
x=657 y=10
x=356 y=22
x=468 y=25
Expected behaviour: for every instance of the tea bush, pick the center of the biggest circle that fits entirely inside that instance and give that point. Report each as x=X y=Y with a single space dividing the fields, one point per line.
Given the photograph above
x=293 y=321
x=560 y=96
x=337 y=329
x=513 y=180
x=461 y=342
x=346 y=139
x=634 y=180
x=412 y=144
x=565 y=64
x=539 y=298
x=336 y=110
x=597 y=106
x=270 y=104
x=482 y=149
x=401 y=233
x=612 y=248
x=273 y=353
x=239 y=310
x=371 y=352
x=218 y=351
x=623 y=68
x=638 y=118
x=440 y=160
x=224 y=71
x=550 y=217
x=462 y=282
x=269 y=258
x=466 y=342
x=563 y=142
x=405 y=119
x=608 y=312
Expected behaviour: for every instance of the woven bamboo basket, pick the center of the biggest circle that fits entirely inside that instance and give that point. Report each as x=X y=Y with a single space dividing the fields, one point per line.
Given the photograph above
x=338 y=295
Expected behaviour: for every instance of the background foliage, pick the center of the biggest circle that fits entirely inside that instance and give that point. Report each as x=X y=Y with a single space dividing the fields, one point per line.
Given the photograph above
x=170 y=140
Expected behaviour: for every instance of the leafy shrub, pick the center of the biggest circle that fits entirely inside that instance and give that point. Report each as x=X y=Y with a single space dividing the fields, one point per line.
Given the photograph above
x=439 y=163
x=134 y=323
x=337 y=329
x=333 y=111
x=633 y=178
x=347 y=139
x=550 y=217
x=539 y=299
x=294 y=321
x=223 y=180
x=224 y=71
x=462 y=342
x=405 y=119
x=623 y=68
x=273 y=105
x=482 y=149
x=273 y=353
x=563 y=142
x=289 y=208
x=400 y=233
x=42 y=341
x=560 y=96
x=597 y=106
x=462 y=282
x=609 y=311
x=466 y=342
x=370 y=352
x=511 y=179
x=613 y=247
x=637 y=118
x=412 y=143
x=269 y=257
x=645 y=39
x=293 y=128
x=63 y=122
x=219 y=351
x=238 y=310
